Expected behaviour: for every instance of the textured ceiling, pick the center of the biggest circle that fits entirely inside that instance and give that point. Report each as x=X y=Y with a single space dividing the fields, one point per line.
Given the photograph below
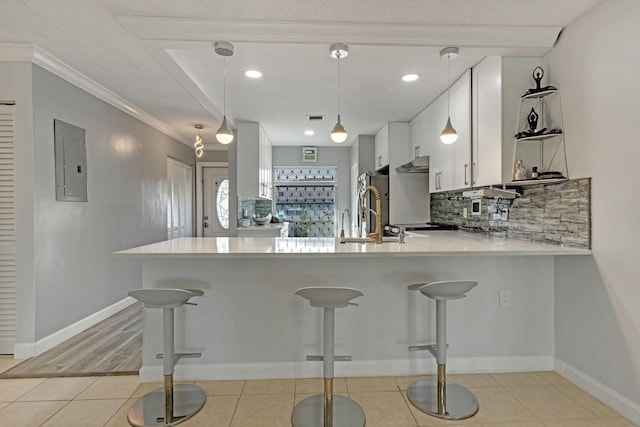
x=174 y=86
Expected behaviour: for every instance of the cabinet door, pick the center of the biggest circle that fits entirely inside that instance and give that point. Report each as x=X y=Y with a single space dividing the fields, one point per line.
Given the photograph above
x=382 y=147
x=460 y=98
x=487 y=122
x=248 y=159
x=437 y=153
x=415 y=131
x=425 y=134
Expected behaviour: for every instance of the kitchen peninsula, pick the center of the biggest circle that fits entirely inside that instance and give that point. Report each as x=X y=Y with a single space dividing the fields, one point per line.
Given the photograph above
x=249 y=324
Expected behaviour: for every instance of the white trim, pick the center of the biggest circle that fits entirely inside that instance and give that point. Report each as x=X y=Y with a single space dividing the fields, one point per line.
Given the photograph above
x=199 y=174
x=619 y=403
x=399 y=367
x=30 y=349
x=193 y=29
x=26 y=52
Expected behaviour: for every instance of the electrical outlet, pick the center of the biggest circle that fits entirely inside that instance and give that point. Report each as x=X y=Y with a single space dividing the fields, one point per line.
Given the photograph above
x=465 y=213
x=505 y=298
x=505 y=215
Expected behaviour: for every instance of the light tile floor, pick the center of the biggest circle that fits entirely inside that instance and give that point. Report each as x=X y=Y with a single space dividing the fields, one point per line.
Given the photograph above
x=536 y=399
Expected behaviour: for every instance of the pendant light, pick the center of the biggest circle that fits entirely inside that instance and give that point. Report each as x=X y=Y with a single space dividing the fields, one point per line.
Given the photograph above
x=449 y=134
x=339 y=133
x=224 y=134
x=198 y=145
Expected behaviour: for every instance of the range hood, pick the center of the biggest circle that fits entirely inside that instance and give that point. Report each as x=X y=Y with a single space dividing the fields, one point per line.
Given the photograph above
x=417 y=165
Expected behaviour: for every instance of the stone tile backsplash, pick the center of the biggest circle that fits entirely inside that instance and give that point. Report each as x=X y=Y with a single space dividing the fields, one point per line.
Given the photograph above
x=558 y=213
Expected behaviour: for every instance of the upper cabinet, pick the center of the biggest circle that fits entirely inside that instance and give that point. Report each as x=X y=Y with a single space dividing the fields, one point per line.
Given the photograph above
x=449 y=165
x=382 y=148
x=498 y=85
x=254 y=161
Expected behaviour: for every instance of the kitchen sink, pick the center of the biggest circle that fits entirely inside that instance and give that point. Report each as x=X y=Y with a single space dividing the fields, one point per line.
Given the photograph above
x=385 y=239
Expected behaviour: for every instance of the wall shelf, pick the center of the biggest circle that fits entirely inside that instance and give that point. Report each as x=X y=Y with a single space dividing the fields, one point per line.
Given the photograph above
x=546 y=151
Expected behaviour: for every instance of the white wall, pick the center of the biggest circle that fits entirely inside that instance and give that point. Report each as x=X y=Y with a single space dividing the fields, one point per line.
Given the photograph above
x=596 y=65
x=74 y=272
x=327 y=156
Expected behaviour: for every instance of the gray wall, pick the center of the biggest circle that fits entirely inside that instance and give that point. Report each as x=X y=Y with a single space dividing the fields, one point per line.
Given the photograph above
x=597 y=307
x=214 y=156
x=75 y=273
x=327 y=156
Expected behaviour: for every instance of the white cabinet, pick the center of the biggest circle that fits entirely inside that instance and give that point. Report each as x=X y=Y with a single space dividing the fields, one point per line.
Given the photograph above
x=254 y=161
x=408 y=192
x=266 y=170
x=416 y=129
x=382 y=147
x=450 y=165
x=498 y=84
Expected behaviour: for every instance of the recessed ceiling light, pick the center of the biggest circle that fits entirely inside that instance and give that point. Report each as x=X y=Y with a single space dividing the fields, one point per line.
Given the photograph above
x=308 y=132
x=410 y=77
x=253 y=74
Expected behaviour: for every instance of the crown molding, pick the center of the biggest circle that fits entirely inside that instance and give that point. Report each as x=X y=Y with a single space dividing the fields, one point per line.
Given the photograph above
x=30 y=53
x=161 y=28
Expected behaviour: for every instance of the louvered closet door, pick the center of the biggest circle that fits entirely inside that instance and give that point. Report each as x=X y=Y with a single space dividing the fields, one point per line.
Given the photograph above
x=7 y=232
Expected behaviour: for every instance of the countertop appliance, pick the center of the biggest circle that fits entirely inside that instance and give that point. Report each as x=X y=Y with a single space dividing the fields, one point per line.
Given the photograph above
x=394 y=229
x=418 y=165
x=381 y=182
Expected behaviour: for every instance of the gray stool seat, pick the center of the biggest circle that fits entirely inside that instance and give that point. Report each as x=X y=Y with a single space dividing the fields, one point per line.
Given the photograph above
x=327 y=410
x=328 y=297
x=444 y=400
x=164 y=298
x=444 y=290
x=169 y=405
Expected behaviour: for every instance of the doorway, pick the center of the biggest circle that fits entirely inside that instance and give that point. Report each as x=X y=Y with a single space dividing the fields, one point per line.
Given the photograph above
x=215 y=202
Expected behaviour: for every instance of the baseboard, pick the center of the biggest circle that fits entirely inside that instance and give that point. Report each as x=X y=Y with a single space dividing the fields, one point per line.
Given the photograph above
x=26 y=350
x=624 y=406
x=361 y=368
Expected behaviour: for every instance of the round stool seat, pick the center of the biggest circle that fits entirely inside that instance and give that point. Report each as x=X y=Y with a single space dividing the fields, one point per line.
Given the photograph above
x=164 y=298
x=328 y=297
x=452 y=289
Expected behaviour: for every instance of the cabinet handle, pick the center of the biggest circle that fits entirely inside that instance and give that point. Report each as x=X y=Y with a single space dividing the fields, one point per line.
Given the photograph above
x=416 y=152
x=466 y=166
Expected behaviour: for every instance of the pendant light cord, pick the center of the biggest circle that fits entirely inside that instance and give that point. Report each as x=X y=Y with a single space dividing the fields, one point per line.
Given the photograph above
x=338 y=56
x=224 y=90
x=448 y=84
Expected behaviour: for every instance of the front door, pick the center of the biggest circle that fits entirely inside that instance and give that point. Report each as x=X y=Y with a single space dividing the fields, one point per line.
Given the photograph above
x=215 y=202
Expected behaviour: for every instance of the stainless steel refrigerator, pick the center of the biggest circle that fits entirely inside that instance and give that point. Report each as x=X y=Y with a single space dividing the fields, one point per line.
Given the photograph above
x=381 y=183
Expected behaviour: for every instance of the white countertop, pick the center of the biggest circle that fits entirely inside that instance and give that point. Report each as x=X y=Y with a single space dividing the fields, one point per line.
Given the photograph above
x=435 y=243
x=269 y=226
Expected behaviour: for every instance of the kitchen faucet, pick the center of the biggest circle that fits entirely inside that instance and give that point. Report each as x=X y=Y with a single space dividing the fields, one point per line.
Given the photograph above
x=377 y=234
x=342 y=238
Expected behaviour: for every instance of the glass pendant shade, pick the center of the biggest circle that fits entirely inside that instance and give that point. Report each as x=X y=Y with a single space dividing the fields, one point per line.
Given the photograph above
x=224 y=135
x=449 y=134
x=339 y=133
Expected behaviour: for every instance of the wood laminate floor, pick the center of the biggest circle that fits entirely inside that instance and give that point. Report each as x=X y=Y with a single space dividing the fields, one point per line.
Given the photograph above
x=111 y=347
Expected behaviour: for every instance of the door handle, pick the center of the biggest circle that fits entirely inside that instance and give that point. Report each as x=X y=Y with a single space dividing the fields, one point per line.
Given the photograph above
x=466 y=166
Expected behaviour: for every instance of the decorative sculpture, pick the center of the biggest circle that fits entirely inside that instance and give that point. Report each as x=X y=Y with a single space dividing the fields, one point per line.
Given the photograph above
x=538 y=74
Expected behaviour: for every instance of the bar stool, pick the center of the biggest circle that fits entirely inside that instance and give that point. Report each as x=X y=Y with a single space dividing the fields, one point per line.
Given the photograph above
x=169 y=405
x=327 y=410
x=444 y=400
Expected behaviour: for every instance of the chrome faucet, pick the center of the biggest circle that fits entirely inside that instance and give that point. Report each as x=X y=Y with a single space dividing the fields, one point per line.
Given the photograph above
x=377 y=234
x=342 y=237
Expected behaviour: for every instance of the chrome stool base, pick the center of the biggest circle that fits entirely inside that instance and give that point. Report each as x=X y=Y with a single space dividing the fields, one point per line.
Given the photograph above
x=310 y=412
x=149 y=410
x=456 y=403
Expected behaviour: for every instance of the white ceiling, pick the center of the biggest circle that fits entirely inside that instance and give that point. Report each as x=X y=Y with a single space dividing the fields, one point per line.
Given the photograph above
x=158 y=54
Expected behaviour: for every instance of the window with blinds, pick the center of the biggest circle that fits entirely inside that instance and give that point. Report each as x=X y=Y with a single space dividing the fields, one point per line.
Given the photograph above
x=180 y=199
x=7 y=231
